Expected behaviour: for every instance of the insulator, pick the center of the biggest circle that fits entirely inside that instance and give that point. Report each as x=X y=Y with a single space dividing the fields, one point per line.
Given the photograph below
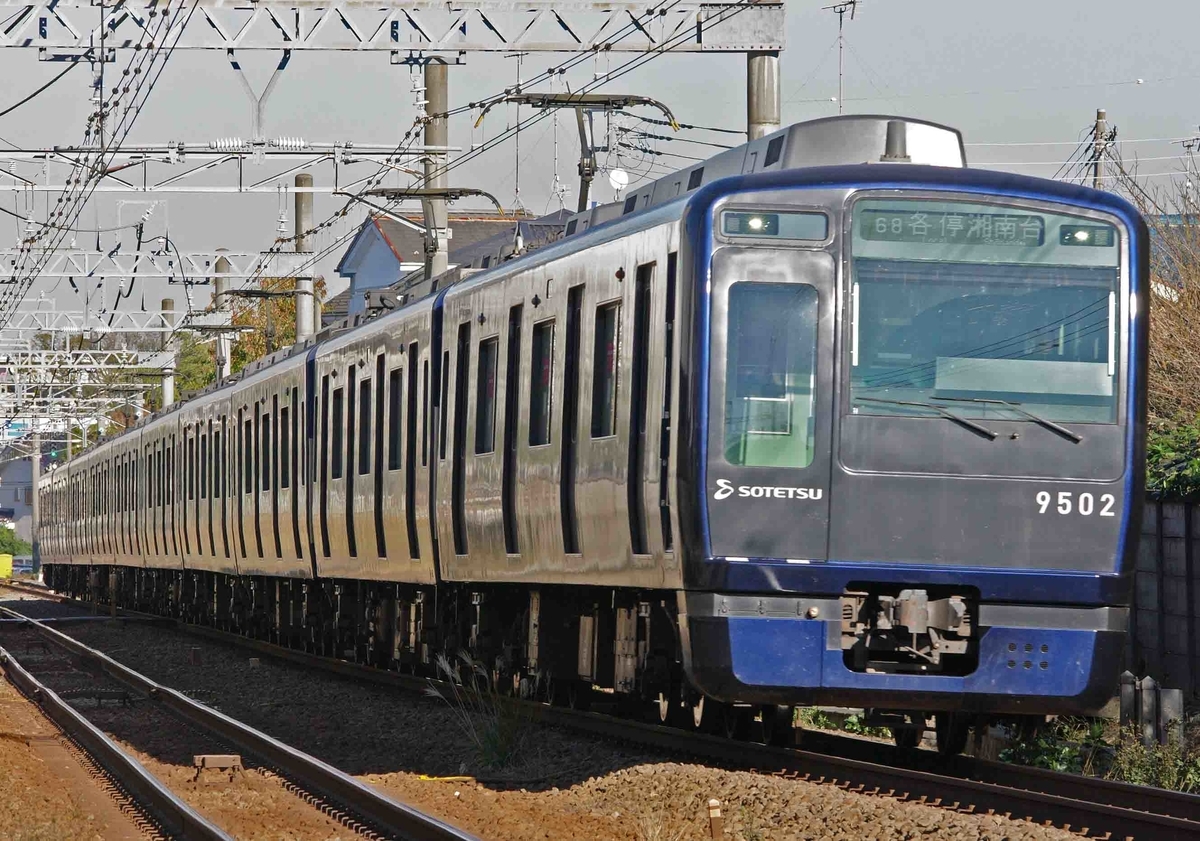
x=290 y=143
x=227 y=144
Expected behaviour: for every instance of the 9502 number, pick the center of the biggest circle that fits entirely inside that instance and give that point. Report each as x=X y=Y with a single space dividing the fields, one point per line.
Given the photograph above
x=1084 y=504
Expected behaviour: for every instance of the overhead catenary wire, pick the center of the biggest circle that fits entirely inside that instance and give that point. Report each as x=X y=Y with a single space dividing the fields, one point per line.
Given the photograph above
x=40 y=90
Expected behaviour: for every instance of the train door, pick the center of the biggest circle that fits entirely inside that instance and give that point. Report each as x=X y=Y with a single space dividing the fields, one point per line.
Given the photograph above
x=770 y=403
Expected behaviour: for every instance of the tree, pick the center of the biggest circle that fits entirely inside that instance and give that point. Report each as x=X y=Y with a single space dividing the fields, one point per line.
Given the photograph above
x=273 y=320
x=10 y=544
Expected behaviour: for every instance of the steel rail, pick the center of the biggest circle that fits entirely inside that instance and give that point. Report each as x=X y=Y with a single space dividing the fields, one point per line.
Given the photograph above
x=1080 y=803
x=376 y=807
x=173 y=814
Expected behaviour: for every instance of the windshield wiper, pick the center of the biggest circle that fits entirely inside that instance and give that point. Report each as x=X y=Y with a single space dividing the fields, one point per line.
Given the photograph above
x=1016 y=407
x=941 y=410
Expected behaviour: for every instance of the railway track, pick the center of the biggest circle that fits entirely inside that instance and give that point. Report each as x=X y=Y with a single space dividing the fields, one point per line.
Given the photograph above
x=361 y=808
x=1087 y=806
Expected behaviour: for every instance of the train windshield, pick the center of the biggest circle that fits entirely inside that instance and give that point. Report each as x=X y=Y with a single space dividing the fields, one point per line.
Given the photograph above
x=983 y=308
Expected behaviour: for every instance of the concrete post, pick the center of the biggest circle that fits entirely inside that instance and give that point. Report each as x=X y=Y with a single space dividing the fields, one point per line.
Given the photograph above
x=35 y=512
x=168 y=375
x=763 y=105
x=221 y=304
x=1098 y=144
x=437 y=94
x=304 y=285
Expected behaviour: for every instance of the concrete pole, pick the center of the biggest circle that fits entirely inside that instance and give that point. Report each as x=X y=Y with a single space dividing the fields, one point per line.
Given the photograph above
x=437 y=94
x=763 y=105
x=1098 y=144
x=304 y=285
x=221 y=304
x=168 y=375
x=318 y=313
x=35 y=512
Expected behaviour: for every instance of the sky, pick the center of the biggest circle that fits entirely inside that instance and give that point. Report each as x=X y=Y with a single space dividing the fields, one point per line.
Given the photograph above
x=1021 y=79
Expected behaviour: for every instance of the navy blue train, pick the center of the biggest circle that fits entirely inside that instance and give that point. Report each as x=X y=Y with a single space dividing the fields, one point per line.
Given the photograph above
x=826 y=419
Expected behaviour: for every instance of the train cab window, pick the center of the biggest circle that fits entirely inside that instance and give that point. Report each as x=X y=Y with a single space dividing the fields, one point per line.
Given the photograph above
x=541 y=378
x=774 y=152
x=338 y=424
x=395 y=394
x=364 y=427
x=605 y=358
x=485 y=398
x=770 y=368
x=285 y=449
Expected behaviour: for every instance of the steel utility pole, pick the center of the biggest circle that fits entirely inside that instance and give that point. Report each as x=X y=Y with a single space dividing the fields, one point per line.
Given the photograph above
x=437 y=103
x=304 y=279
x=1099 y=141
x=35 y=513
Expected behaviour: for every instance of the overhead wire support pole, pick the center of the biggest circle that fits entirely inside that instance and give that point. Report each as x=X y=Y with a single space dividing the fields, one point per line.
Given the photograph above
x=304 y=280
x=1099 y=143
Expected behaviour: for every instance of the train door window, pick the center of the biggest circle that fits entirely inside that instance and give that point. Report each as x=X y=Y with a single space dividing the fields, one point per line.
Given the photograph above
x=512 y=380
x=219 y=445
x=324 y=495
x=271 y=461
x=171 y=480
x=380 y=539
x=664 y=447
x=424 y=404
x=444 y=405
x=189 y=471
x=485 y=398
x=395 y=401
x=246 y=445
x=636 y=476
x=410 y=458
x=335 y=468
x=243 y=443
x=541 y=378
x=605 y=358
x=770 y=369
x=351 y=440
x=254 y=443
x=204 y=465
x=264 y=457
x=458 y=468
x=364 y=427
x=285 y=449
x=291 y=455
x=570 y=418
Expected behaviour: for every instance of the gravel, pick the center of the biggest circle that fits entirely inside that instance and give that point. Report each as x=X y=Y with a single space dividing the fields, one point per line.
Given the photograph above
x=562 y=785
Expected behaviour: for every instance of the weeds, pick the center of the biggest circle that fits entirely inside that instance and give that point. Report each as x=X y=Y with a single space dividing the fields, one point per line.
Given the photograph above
x=652 y=826
x=1097 y=748
x=496 y=728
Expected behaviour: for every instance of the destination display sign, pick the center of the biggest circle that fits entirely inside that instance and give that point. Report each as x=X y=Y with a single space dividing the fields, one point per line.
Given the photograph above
x=952 y=228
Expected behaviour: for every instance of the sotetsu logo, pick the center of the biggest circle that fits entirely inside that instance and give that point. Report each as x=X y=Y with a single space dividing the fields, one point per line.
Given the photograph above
x=726 y=489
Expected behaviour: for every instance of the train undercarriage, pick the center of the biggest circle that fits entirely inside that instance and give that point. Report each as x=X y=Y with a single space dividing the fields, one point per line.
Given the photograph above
x=610 y=648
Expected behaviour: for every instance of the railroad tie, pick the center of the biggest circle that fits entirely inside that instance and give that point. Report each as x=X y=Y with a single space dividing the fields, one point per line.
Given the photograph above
x=230 y=762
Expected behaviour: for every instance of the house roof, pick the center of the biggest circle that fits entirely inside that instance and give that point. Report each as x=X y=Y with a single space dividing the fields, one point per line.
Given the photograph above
x=469 y=228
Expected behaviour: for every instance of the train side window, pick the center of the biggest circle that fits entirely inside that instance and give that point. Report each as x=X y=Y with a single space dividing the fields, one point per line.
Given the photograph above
x=395 y=385
x=337 y=423
x=770 y=367
x=512 y=401
x=541 y=378
x=605 y=357
x=364 y=427
x=485 y=398
x=351 y=441
x=291 y=458
x=635 y=476
x=774 y=150
x=664 y=450
x=264 y=463
x=285 y=448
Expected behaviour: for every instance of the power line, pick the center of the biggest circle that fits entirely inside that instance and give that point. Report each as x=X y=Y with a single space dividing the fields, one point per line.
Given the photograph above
x=17 y=105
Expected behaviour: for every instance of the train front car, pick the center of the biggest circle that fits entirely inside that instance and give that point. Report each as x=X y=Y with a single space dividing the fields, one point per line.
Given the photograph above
x=915 y=408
